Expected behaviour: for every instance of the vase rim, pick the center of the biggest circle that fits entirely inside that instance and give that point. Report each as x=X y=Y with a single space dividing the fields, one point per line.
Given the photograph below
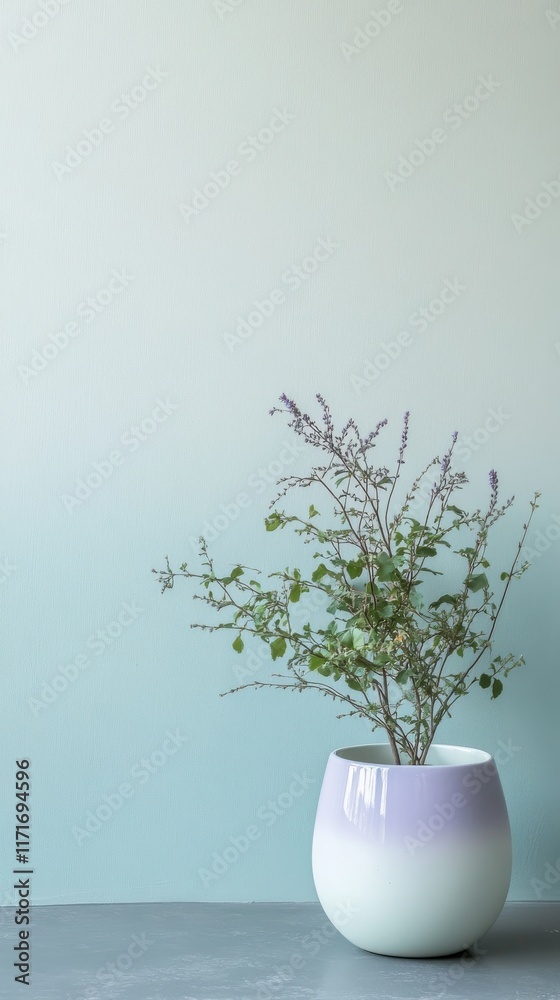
x=459 y=756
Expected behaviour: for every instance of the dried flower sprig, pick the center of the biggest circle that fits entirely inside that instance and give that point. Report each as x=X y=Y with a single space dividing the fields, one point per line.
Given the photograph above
x=390 y=646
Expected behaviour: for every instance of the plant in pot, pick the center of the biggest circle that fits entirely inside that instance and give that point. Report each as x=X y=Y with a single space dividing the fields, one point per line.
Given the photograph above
x=412 y=836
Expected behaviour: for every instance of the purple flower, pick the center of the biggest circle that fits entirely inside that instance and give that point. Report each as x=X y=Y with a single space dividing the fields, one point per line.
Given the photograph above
x=446 y=461
x=404 y=436
x=368 y=441
x=327 y=417
x=493 y=477
x=288 y=403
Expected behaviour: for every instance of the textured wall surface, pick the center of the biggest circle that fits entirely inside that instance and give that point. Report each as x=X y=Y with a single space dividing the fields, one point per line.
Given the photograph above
x=205 y=204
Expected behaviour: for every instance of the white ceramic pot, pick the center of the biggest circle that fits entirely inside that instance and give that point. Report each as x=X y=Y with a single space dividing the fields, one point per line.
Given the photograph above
x=409 y=860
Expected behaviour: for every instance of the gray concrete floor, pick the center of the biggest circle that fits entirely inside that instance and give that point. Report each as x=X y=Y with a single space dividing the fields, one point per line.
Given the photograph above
x=258 y=951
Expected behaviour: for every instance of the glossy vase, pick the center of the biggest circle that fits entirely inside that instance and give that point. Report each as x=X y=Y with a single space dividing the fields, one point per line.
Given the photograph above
x=409 y=860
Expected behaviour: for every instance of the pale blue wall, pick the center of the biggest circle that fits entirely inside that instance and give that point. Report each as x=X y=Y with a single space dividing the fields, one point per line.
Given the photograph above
x=69 y=572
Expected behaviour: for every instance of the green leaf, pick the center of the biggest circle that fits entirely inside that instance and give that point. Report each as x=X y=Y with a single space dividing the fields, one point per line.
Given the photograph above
x=313 y=512
x=315 y=661
x=358 y=638
x=353 y=683
x=354 y=569
x=504 y=576
x=415 y=598
x=477 y=581
x=457 y=510
x=426 y=550
x=386 y=611
x=415 y=525
x=295 y=593
x=238 y=644
x=273 y=521
x=381 y=659
x=497 y=687
x=278 y=648
x=403 y=676
x=235 y=573
x=319 y=572
x=485 y=681
x=460 y=651
x=387 y=570
x=259 y=611
x=444 y=599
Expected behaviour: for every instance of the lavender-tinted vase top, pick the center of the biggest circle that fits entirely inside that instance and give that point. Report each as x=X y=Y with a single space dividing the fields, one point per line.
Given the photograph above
x=365 y=790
